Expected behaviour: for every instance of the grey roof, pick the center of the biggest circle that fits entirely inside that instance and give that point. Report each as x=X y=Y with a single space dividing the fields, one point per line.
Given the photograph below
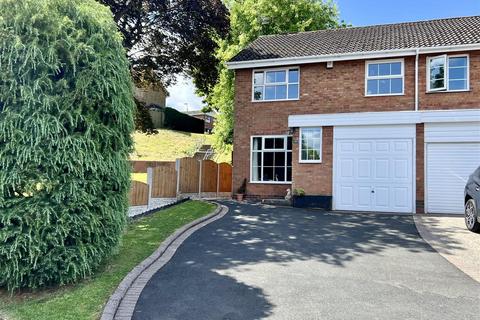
x=431 y=33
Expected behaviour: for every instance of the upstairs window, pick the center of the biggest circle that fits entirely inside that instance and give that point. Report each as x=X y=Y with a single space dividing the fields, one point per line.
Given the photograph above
x=384 y=78
x=447 y=73
x=274 y=85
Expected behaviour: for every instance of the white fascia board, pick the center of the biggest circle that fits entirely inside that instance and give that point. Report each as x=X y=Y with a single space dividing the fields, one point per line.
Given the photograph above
x=468 y=115
x=348 y=56
x=383 y=118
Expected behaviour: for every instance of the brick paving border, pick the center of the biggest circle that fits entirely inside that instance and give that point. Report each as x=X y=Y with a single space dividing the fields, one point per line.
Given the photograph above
x=122 y=302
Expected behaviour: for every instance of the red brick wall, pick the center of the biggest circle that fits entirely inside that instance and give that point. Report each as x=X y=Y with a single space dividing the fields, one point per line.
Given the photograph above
x=314 y=178
x=322 y=90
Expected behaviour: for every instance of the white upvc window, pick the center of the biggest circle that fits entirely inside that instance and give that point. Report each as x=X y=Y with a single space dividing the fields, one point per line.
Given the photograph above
x=310 y=145
x=276 y=84
x=448 y=73
x=271 y=159
x=384 y=77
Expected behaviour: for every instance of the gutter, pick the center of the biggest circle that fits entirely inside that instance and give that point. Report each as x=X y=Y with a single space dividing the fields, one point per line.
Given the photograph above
x=233 y=65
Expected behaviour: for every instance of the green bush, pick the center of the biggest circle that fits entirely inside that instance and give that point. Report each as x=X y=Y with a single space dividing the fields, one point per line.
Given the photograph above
x=66 y=118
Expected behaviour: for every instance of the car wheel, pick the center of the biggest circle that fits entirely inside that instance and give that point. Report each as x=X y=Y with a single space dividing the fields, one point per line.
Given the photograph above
x=470 y=216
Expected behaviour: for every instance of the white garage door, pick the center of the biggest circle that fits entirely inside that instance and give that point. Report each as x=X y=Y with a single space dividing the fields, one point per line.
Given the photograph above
x=448 y=167
x=372 y=171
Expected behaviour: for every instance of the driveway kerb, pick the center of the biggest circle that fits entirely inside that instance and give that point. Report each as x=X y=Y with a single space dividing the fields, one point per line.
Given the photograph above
x=122 y=302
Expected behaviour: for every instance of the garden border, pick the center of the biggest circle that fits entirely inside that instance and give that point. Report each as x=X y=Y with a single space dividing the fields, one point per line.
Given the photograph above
x=122 y=302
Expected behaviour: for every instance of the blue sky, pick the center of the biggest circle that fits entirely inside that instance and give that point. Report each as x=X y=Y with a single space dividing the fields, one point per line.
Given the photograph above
x=357 y=13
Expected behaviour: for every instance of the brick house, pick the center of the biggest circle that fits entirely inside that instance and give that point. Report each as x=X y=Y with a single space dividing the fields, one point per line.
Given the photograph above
x=378 y=118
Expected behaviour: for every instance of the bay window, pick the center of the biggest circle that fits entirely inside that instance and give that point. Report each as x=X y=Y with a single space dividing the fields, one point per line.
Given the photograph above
x=271 y=158
x=447 y=73
x=276 y=84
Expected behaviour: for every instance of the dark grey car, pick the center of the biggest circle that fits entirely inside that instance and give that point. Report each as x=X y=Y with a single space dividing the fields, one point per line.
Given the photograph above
x=472 y=202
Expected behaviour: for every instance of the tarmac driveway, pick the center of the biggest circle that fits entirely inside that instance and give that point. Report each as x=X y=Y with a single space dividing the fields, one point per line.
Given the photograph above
x=283 y=263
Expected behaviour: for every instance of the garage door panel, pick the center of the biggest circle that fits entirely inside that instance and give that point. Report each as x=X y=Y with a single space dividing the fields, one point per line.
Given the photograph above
x=384 y=166
x=346 y=168
x=382 y=197
x=364 y=196
x=382 y=146
x=347 y=195
x=448 y=168
x=401 y=169
x=381 y=168
x=401 y=197
x=364 y=168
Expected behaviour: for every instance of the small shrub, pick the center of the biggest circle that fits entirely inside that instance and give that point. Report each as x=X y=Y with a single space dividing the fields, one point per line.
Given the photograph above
x=299 y=192
x=65 y=136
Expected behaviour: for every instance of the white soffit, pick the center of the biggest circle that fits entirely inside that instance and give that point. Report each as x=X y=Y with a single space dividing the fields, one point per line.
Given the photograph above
x=383 y=118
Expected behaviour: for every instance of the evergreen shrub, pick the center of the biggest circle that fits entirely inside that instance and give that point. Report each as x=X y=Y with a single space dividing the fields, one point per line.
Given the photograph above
x=66 y=118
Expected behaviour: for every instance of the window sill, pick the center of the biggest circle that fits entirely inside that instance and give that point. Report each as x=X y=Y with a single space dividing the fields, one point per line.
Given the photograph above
x=447 y=91
x=280 y=100
x=384 y=95
x=310 y=161
x=270 y=182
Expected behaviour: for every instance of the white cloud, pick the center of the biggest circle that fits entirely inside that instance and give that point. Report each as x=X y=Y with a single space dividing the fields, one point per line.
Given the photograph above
x=182 y=94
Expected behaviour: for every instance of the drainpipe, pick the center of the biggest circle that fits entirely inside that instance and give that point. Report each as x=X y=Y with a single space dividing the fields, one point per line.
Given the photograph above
x=416 y=78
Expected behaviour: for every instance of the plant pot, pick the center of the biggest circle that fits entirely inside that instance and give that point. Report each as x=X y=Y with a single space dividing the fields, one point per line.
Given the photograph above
x=240 y=196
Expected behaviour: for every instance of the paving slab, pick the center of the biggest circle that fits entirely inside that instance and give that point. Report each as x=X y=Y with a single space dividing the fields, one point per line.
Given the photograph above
x=449 y=236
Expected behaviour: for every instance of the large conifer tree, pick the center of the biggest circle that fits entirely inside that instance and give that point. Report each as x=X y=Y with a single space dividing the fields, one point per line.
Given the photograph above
x=66 y=117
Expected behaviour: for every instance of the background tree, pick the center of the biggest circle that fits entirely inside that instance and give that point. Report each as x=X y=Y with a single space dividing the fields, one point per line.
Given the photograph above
x=250 y=19
x=66 y=120
x=168 y=37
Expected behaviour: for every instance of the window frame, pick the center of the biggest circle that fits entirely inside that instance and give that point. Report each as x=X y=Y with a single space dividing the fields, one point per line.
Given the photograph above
x=447 y=76
x=285 y=149
x=402 y=75
x=265 y=70
x=300 y=160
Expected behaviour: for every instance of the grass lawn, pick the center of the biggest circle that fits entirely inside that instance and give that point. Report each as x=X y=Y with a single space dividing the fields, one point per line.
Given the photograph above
x=86 y=299
x=142 y=177
x=169 y=145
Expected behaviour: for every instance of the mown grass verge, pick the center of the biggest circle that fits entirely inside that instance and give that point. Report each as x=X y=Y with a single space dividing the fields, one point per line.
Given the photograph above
x=86 y=299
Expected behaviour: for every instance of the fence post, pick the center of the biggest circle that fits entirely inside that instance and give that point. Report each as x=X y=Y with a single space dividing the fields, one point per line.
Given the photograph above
x=177 y=167
x=218 y=178
x=150 y=185
x=200 y=179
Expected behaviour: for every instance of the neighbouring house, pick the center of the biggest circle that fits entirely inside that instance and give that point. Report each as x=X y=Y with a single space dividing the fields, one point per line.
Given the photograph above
x=378 y=118
x=208 y=119
x=154 y=97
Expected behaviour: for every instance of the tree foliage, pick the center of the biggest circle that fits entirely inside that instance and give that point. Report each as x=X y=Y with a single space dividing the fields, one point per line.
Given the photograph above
x=168 y=37
x=66 y=120
x=250 y=19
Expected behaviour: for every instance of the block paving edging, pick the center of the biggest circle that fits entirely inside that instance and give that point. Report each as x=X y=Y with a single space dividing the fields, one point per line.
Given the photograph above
x=122 y=302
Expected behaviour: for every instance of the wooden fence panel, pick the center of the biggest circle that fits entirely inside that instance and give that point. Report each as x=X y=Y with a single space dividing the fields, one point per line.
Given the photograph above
x=138 y=194
x=225 y=177
x=164 y=180
x=209 y=176
x=189 y=175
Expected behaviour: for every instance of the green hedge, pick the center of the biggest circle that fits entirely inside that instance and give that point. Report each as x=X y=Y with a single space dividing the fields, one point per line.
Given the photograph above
x=176 y=120
x=66 y=119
